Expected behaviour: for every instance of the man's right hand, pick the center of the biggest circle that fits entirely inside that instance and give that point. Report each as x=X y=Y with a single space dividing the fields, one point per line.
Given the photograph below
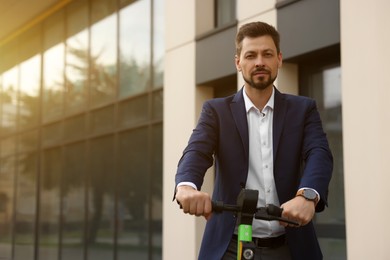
x=194 y=202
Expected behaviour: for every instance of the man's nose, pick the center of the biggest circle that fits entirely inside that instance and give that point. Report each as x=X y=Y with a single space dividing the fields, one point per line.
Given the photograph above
x=259 y=62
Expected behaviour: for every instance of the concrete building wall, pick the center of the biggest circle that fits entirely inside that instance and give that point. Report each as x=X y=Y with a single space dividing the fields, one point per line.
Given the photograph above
x=179 y=231
x=365 y=58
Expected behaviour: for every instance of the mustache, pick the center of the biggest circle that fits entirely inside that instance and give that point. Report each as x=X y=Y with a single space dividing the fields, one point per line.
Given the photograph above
x=261 y=70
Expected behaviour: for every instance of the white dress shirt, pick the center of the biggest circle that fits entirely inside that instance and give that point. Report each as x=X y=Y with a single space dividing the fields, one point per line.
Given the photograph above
x=260 y=173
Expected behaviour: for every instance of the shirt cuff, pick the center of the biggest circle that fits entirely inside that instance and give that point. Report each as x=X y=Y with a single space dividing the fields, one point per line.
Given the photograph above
x=187 y=183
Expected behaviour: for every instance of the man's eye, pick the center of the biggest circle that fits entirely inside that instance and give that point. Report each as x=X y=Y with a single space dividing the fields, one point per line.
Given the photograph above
x=250 y=56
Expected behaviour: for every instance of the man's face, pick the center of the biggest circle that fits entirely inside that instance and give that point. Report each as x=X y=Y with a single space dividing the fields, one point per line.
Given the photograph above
x=259 y=61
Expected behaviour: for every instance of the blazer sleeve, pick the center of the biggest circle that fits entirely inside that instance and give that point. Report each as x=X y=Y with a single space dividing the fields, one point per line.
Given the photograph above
x=316 y=155
x=198 y=155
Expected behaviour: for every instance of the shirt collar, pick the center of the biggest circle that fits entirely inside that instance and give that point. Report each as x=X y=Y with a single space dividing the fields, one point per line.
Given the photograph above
x=249 y=104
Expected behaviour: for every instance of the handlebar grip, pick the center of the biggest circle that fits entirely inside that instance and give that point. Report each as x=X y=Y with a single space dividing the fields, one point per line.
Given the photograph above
x=217 y=206
x=274 y=210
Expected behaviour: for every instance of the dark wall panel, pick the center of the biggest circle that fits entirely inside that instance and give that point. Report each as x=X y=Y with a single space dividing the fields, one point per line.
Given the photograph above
x=215 y=55
x=308 y=25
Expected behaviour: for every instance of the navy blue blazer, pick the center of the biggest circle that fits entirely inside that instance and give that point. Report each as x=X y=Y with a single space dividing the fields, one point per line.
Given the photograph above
x=301 y=154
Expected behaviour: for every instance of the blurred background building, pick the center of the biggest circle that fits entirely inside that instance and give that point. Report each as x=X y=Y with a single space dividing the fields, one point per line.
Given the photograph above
x=98 y=99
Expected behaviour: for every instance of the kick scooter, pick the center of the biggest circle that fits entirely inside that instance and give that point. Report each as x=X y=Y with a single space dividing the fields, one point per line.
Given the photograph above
x=245 y=210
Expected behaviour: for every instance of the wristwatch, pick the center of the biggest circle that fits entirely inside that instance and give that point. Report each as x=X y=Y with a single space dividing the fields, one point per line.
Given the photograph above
x=308 y=194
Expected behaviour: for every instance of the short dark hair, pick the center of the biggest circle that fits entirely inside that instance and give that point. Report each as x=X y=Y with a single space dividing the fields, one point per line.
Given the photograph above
x=256 y=29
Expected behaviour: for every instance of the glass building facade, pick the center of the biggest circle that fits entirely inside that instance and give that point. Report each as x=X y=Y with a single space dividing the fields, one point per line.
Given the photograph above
x=81 y=134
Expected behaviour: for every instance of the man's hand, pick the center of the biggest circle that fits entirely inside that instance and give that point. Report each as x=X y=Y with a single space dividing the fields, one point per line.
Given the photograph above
x=299 y=210
x=194 y=202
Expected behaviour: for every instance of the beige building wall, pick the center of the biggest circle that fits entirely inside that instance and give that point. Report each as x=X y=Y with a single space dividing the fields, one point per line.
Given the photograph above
x=365 y=56
x=179 y=116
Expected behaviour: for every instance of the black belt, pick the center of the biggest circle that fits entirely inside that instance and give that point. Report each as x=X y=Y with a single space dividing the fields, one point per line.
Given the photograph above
x=269 y=242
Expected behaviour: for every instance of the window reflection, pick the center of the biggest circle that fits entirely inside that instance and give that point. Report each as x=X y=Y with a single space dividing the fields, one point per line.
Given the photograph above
x=73 y=202
x=53 y=78
x=25 y=211
x=102 y=120
x=103 y=61
x=50 y=204
x=28 y=141
x=58 y=91
x=9 y=98
x=8 y=146
x=132 y=211
x=157 y=105
x=133 y=111
x=74 y=128
x=101 y=211
x=52 y=134
x=29 y=91
x=134 y=48
x=76 y=57
x=76 y=72
x=53 y=67
x=157 y=185
x=158 y=43
x=7 y=180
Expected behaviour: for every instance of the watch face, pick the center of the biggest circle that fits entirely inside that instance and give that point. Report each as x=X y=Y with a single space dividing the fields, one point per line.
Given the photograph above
x=309 y=194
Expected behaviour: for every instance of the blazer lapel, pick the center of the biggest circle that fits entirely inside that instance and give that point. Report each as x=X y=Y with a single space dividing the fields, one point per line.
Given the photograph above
x=280 y=109
x=237 y=107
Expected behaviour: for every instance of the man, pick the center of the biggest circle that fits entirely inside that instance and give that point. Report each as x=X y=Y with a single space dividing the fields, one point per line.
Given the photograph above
x=264 y=140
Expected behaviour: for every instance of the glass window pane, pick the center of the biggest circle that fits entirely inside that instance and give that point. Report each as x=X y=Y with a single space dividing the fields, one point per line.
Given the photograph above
x=7 y=182
x=76 y=57
x=8 y=146
x=135 y=48
x=25 y=212
x=73 y=202
x=53 y=82
x=157 y=184
x=28 y=142
x=158 y=105
x=74 y=128
x=52 y=134
x=133 y=205
x=324 y=85
x=50 y=204
x=53 y=68
x=102 y=120
x=103 y=53
x=30 y=81
x=226 y=12
x=330 y=110
x=158 y=43
x=9 y=98
x=101 y=199
x=133 y=112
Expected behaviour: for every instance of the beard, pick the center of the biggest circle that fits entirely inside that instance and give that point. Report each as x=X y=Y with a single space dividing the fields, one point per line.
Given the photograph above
x=263 y=82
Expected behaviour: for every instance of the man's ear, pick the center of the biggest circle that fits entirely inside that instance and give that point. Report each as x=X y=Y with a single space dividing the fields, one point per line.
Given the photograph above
x=237 y=62
x=280 y=58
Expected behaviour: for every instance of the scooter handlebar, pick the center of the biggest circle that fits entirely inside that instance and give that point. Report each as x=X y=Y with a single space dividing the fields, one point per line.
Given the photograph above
x=269 y=212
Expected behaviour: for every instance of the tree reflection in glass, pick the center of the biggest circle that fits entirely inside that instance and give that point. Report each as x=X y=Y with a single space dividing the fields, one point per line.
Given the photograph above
x=134 y=48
